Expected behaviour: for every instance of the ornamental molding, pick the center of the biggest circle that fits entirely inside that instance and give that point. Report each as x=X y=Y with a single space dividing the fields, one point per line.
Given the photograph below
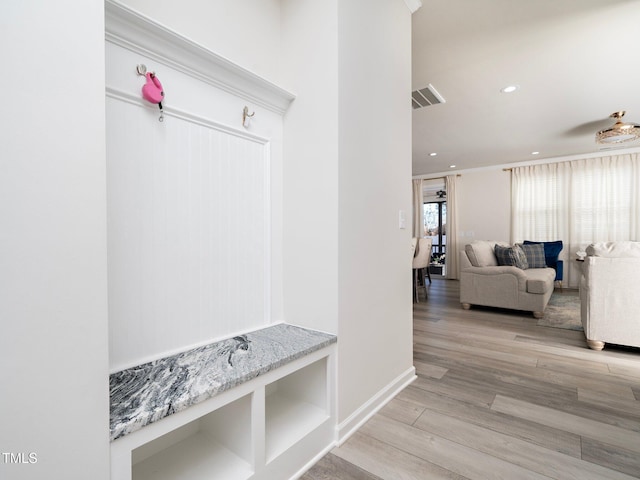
x=413 y=5
x=138 y=33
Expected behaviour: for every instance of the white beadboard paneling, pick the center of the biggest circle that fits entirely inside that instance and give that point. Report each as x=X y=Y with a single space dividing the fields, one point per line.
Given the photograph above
x=188 y=231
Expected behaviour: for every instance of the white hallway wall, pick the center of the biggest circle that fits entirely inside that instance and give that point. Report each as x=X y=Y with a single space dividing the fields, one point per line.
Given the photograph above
x=375 y=306
x=53 y=279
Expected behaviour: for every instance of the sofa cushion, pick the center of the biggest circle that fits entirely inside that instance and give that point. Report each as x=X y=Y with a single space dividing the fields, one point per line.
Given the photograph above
x=511 y=256
x=614 y=249
x=540 y=280
x=551 y=251
x=535 y=254
x=481 y=254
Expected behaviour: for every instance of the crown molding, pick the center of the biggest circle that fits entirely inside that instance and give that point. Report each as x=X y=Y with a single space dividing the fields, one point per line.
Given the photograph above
x=609 y=152
x=413 y=5
x=138 y=33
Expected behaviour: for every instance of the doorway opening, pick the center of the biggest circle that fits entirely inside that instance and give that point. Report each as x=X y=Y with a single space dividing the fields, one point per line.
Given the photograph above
x=435 y=227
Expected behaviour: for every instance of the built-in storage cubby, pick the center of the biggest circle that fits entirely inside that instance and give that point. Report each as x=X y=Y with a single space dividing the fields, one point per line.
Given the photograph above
x=294 y=406
x=259 y=406
x=215 y=446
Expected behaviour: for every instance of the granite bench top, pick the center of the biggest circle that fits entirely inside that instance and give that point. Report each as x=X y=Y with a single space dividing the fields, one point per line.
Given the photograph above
x=147 y=393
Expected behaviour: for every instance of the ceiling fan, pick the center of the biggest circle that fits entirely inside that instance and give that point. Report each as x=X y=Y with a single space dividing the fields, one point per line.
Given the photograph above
x=619 y=132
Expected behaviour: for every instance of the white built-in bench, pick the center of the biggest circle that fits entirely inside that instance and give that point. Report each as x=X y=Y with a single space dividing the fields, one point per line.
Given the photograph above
x=251 y=406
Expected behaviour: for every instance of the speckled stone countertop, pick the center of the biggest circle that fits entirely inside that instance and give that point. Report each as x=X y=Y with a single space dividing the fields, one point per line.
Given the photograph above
x=147 y=393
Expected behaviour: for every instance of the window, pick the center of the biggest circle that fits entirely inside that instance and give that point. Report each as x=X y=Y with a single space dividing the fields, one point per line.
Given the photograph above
x=579 y=202
x=435 y=223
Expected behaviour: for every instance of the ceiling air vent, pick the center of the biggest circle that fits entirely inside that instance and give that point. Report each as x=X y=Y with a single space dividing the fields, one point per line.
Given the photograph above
x=426 y=96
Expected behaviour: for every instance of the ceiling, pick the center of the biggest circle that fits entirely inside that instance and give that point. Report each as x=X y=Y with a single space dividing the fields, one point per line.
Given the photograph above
x=575 y=62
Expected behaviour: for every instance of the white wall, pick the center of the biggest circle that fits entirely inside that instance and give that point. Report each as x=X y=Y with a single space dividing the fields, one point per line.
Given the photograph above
x=53 y=290
x=310 y=186
x=247 y=32
x=484 y=203
x=375 y=332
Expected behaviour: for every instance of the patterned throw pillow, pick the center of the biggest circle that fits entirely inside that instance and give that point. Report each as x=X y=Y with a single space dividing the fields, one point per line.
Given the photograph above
x=513 y=256
x=551 y=251
x=535 y=254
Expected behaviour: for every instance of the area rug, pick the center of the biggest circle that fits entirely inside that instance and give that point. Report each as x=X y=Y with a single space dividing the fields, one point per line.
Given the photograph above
x=563 y=311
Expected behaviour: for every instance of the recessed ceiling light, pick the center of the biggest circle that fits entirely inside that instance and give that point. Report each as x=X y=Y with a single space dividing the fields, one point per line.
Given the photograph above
x=452 y=166
x=433 y=154
x=509 y=89
x=535 y=153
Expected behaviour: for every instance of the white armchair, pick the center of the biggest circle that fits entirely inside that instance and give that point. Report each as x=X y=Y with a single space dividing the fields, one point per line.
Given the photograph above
x=609 y=299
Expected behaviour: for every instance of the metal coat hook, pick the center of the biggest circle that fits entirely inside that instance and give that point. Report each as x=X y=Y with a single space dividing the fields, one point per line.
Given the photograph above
x=246 y=116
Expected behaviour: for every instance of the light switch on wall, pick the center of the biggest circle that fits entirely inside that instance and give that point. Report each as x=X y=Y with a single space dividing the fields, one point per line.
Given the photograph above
x=401 y=219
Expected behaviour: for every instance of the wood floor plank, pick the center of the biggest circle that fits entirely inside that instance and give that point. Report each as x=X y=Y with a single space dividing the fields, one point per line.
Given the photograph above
x=605 y=400
x=429 y=370
x=332 y=467
x=557 y=340
x=481 y=351
x=450 y=455
x=553 y=438
x=447 y=358
x=621 y=357
x=631 y=370
x=513 y=450
x=571 y=365
x=457 y=391
x=516 y=374
x=615 y=458
x=402 y=411
x=584 y=427
x=390 y=463
x=520 y=386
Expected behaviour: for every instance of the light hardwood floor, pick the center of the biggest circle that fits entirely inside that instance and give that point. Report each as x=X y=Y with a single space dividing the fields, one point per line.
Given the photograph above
x=498 y=397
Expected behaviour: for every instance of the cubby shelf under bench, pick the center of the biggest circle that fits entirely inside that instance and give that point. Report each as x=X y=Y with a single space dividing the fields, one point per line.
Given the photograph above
x=256 y=406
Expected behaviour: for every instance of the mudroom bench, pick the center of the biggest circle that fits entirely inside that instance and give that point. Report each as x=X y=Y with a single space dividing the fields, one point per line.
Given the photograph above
x=249 y=407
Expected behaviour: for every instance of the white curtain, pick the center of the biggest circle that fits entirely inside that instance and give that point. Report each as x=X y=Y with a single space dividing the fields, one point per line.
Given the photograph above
x=452 y=228
x=418 y=221
x=578 y=202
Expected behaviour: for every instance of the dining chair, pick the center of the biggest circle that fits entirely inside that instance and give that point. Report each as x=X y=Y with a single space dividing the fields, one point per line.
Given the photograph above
x=421 y=261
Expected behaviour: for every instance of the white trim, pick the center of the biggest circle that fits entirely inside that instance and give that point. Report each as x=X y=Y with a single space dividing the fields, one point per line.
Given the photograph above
x=133 y=31
x=579 y=156
x=413 y=5
x=313 y=461
x=170 y=111
x=373 y=405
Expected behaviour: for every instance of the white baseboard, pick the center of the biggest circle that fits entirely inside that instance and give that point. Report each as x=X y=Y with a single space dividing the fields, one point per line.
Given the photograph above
x=374 y=404
x=313 y=461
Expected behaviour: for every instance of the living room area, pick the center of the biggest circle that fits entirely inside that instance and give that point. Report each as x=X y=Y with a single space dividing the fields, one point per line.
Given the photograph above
x=514 y=141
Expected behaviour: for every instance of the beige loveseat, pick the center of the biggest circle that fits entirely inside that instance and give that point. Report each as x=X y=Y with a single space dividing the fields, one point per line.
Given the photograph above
x=609 y=295
x=483 y=282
